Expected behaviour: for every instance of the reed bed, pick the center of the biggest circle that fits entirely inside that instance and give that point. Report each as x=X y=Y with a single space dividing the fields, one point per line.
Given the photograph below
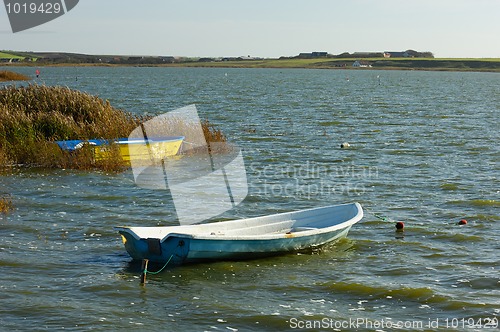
x=6 y=75
x=33 y=117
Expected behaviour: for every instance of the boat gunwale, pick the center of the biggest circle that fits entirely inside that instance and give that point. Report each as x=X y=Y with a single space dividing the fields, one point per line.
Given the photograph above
x=287 y=233
x=167 y=139
x=73 y=144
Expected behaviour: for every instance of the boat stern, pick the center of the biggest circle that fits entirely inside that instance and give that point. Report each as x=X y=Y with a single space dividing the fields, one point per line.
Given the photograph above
x=171 y=248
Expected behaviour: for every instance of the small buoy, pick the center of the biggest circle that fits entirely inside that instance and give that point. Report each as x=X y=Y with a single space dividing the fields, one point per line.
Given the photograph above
x=462 y=222
x=400 y=226
x=345 y=145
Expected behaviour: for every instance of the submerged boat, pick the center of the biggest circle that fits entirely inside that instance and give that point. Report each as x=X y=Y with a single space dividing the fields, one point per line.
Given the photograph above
x=157 y=148
x=243 y=238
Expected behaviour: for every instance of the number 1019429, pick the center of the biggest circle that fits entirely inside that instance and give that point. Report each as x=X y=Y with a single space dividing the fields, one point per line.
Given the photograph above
x=481 y=323
x=33 y=8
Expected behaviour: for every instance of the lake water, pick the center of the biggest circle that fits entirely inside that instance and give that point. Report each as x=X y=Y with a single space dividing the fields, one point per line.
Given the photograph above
x=424 y=150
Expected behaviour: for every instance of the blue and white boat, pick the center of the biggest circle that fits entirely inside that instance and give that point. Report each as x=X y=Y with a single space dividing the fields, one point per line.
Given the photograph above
x=241 y=239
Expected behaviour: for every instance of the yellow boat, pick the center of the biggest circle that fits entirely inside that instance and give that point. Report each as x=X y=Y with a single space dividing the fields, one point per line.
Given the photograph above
x=156 y=149
x=137 y=149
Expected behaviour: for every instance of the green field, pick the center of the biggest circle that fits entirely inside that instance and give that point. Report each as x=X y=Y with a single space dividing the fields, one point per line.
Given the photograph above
x=4 y=55
x=7 y=56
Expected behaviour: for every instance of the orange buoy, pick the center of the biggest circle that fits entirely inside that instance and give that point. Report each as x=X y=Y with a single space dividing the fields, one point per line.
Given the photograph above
x=400 y=225
x=462 y=222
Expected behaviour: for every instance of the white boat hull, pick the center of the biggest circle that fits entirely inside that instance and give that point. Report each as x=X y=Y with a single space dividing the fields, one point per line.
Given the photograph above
x=241 y=239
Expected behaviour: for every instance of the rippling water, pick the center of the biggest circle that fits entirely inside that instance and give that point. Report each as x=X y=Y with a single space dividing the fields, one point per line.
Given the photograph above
x=424 y=150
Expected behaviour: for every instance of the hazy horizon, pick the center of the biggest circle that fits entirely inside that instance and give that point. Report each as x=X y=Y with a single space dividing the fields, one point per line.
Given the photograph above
x=267 y=29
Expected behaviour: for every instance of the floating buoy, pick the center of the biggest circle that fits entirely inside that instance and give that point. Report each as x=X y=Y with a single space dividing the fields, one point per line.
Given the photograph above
x=345 y=145
x=400 y=226
x=462 y=222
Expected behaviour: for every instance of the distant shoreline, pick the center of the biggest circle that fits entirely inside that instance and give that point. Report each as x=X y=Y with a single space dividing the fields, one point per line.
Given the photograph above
x=434 y=64
x=469 y=65
x=351 y=62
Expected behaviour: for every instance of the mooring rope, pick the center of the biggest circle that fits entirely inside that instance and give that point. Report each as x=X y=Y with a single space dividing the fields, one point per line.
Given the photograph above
x=378 y=216
x=164 y=266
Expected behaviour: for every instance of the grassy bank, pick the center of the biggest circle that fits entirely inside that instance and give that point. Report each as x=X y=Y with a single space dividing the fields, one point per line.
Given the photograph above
x=441 y=64
x=491 y=65
x=33 y=117
x=12 y=76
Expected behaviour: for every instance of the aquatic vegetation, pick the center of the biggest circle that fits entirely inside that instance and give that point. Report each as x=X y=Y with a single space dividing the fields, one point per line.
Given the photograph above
x=6 y=75
x=5 y=204
x=212 y=134
x=33 y=117
x=217 y=141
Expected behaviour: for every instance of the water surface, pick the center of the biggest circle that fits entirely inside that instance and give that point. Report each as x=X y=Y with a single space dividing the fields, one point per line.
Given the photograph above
x=424 y=150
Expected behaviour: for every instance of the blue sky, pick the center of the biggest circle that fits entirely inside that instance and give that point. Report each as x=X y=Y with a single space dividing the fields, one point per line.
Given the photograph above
x=265 y=28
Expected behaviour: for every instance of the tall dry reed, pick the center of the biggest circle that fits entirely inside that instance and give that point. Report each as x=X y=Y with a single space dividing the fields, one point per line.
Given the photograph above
x=33 y=117
x=5 y=203
x=6 y=75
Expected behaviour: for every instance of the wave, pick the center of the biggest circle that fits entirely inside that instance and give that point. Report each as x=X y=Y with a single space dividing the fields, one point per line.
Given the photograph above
x=476 y=202
x=424 y=295
x=485 y=202
x=449 y=186
x=460 y=238
x=485 y=217
x=481 y=283
x=330 y=123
